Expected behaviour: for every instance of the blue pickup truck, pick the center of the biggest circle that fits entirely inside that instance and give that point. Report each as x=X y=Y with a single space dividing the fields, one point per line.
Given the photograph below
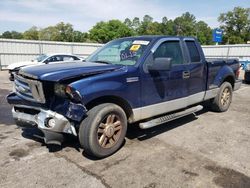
x=146 y=79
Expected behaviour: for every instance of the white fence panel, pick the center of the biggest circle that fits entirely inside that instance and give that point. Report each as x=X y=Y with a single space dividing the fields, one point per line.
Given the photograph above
x=12 y=51
x=240 y=51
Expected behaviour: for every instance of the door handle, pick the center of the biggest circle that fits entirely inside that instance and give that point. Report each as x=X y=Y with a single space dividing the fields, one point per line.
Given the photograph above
x=185 y=74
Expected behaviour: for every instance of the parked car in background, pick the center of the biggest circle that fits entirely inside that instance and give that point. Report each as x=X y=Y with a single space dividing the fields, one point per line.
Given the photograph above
x=247 y=73
x=41 y=59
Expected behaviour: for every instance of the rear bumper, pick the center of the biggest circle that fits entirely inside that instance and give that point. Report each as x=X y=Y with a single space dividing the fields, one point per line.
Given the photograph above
x=237 y=84
x=53 y=131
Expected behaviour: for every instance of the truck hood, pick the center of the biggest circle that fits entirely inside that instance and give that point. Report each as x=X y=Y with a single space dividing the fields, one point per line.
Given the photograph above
x=21 y=64
x=64 y=71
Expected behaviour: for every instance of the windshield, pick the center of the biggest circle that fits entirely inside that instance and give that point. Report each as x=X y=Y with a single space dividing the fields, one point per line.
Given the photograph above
x=122 y=52
x=41 y=57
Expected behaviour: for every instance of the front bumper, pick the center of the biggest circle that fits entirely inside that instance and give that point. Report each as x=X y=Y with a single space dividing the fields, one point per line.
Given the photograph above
x=237 y=84
x=53 y=133
x=12 y=72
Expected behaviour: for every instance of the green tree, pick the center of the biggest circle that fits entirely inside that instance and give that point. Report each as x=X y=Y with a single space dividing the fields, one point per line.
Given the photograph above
x=146 y=26
x=12 y=35
x=59 y=32
x=31 y=34
x=136 y=23
x=185 y=25
x=128 y=23
x=79 y=36
x=236 y=25
x=50 y=34
x=203 y=33
x=65 y=31
x=106 y=31
x=6 y=35
x=167 y=26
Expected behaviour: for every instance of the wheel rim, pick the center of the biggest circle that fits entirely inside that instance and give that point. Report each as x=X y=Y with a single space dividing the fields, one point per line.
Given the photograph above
x=109 y=131
x=225 y=97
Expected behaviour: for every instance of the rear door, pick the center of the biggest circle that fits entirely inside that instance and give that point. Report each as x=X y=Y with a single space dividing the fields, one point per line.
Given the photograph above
x=196 y=72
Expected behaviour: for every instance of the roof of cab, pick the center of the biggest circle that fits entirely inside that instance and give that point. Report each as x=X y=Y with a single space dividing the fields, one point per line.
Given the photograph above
x=155 y=37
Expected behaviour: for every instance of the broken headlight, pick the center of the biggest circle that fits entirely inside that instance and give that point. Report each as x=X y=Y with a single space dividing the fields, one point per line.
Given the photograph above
x=73 y=94
x=59 y=90
x=62 y=90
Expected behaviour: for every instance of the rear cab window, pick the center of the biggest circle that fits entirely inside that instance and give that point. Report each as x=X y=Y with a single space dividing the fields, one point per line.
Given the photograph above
x=193 y=51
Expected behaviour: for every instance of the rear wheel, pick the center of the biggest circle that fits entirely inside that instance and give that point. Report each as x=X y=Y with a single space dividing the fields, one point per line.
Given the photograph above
x=223 y=99
x=103 y=131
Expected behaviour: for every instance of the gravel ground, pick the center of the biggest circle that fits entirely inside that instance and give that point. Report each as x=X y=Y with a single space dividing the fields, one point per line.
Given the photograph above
x=209 y=150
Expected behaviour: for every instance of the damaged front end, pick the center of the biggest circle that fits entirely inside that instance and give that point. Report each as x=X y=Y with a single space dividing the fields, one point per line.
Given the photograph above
x=56 y=109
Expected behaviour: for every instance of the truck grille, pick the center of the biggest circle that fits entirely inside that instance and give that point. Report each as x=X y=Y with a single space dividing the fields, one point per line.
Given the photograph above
x=28 y=89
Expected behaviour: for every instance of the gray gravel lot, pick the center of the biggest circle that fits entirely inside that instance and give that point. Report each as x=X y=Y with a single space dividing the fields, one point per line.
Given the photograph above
x=209 y=150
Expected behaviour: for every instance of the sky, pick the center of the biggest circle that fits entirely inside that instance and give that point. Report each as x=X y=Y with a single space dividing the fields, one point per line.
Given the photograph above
x=20 y=15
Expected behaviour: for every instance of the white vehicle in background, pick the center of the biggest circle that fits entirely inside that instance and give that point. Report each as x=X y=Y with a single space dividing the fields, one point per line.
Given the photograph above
x=42 y=59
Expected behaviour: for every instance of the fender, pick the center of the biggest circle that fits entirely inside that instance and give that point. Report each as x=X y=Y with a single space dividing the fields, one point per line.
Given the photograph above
x=114 y=83
x=223 y=73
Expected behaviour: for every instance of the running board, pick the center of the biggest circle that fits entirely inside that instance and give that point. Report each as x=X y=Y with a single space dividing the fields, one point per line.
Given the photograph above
x=169 y=117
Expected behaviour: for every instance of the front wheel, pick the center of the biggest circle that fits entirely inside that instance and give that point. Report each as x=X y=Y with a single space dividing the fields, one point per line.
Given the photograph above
x=223 y=99
x=103 y=131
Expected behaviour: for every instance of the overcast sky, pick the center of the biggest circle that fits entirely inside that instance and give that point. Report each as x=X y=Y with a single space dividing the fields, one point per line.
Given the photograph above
x=20 y=15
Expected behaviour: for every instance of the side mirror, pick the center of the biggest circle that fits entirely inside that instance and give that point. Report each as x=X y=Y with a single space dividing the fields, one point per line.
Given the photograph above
x=161 y=64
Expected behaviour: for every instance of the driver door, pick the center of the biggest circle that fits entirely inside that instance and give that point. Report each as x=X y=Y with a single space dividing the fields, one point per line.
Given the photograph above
x=163 y=91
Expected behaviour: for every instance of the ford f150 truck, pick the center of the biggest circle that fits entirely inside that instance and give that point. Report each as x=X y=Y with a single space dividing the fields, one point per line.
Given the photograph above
x=146 y=79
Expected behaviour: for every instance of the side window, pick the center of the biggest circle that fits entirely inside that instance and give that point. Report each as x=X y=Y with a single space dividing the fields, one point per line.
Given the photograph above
x=170 y=49
x=75 y=58
x=68 y=58
x=58 y=58
x=193 y=51
x=53 y=59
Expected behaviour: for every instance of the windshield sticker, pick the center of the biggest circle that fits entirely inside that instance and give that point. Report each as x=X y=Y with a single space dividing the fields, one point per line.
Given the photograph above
x=126 y=55
x=141 y=42
x=135 y=47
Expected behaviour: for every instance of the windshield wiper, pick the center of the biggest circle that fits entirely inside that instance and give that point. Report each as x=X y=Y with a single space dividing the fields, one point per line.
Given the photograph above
x=101 y=61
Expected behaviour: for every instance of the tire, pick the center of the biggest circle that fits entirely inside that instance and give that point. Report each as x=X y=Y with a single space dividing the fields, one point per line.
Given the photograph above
x=223 y=99
x=103 y=131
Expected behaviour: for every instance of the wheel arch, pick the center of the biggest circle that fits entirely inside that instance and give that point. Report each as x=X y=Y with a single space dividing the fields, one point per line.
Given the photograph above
x=115 y=100
x=229 y=79
x=224 y=74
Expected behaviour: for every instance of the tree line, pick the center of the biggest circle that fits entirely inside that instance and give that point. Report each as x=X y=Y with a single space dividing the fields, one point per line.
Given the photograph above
x=235 y=25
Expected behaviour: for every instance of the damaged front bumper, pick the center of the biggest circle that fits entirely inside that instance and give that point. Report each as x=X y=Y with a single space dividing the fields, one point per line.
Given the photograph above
x=52 y=124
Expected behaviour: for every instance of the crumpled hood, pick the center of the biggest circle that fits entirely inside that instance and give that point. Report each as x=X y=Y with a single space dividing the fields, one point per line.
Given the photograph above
x=21 y=64
x=64 y=71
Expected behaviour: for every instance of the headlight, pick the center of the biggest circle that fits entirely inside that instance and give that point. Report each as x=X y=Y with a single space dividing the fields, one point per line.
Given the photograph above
x=73 y=94
x=67 y=91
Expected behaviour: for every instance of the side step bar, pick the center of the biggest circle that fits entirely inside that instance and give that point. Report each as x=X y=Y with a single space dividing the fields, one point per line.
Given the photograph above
x=169 y=117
